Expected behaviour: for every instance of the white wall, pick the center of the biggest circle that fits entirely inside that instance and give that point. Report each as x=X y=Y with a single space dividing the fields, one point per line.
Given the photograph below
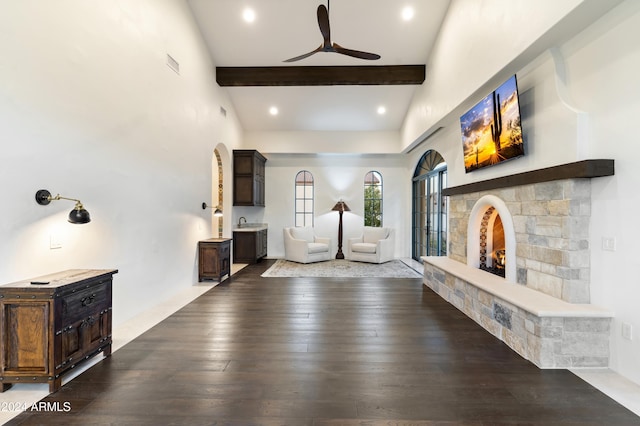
x=481 y=42
x=335 y=177
x=324 y=142
x=89 y=109
x=601 y=80
x=602 y=63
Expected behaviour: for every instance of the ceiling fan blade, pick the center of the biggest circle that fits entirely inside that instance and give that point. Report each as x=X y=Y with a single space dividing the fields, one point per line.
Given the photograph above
x=306 y=55
x=355 y=53
x=323 y=23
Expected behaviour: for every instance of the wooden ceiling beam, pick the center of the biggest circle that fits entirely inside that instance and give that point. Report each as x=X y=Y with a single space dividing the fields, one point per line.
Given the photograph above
x=320 y=75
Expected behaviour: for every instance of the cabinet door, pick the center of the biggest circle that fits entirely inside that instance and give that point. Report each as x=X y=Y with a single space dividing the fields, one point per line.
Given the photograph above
x=97 y=330
x=25 y=329
x=208 y=260
x=259 y=182
x=258 y=248
x=261 y=244
x=71 y=350
x=83 y=337
x=244 y=247
x=225 y=258
x=248 y=178
x=262 y=249
x=243 y=190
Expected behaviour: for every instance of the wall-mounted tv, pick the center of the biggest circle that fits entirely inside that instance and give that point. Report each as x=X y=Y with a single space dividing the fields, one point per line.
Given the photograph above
x=491 y=130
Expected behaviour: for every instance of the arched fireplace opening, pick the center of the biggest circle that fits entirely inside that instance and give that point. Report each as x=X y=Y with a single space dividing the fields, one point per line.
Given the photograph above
x=492 y=247
x=491 y=238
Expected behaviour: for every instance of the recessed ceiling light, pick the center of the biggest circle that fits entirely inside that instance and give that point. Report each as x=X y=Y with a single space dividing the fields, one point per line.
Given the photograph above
x=407 y=13
x=382 y=110
x=249 y=15
x=273 y=110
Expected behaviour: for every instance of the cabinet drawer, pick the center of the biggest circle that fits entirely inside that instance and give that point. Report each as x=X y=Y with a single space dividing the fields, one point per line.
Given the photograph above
x=85 y=301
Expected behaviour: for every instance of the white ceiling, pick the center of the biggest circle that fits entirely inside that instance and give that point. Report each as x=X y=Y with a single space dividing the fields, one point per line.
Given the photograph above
x=287 y=28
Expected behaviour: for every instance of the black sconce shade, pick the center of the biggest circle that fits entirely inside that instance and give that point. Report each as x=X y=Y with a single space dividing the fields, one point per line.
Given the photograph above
x=217 y=212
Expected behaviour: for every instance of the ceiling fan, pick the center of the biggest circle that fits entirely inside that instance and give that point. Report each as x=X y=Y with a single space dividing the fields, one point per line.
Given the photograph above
x=327 y=46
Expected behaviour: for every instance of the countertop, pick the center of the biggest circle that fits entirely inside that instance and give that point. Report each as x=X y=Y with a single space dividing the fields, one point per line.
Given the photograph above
x=250 y=227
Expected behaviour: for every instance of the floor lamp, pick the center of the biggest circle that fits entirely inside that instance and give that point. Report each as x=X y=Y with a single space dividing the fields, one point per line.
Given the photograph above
x=340 y=207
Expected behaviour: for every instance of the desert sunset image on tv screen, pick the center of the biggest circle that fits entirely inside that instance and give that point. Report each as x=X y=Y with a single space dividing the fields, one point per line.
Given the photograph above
x=491 y=130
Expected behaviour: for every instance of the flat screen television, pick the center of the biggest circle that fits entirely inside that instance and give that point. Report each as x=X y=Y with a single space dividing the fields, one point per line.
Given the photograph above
x=492 y=130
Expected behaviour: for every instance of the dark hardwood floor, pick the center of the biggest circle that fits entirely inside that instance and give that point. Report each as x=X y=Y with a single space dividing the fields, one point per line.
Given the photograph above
x=321 y=351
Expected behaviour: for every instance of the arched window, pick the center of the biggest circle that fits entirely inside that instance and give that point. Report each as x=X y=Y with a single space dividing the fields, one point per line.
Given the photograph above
x=429 y=207
x=304 y=199
x=373 y=199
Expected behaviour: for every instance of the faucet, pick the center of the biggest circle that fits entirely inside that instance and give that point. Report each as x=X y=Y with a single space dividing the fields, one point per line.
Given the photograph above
x=240 y=221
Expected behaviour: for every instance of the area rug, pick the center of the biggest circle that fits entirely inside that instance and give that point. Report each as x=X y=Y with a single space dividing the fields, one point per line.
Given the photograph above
x=341 y=268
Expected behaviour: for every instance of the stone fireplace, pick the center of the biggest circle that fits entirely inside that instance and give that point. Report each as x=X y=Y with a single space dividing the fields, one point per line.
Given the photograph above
x=546 y=230
x=538 y=222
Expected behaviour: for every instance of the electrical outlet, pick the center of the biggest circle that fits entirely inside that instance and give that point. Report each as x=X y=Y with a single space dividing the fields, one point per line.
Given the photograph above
x=627 y=331
x=54 y=242
x=609 y=243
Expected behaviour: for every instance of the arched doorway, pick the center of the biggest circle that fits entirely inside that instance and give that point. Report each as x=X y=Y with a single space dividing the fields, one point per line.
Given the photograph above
x=429 y=223
x=220 y=191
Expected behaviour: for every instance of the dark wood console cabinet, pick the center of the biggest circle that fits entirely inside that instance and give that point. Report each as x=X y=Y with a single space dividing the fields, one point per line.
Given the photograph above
x=248 y=178
x=48 y=329
x=214 y=258
x=249 y=246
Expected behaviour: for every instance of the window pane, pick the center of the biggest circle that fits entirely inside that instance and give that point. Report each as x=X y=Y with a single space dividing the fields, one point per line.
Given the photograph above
x=373 y=199
x=303 y=205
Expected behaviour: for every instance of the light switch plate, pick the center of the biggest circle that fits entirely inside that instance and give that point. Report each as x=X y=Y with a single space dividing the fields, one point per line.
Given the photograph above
x=54 y=242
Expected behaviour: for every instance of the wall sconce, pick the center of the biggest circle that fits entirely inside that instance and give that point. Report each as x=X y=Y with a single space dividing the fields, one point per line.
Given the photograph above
x=217 y=212
x=77 y=215
x=340 y=207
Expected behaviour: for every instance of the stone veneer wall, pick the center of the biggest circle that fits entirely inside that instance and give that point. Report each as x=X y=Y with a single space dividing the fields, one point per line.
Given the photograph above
x=551 y=223
x=549 y=342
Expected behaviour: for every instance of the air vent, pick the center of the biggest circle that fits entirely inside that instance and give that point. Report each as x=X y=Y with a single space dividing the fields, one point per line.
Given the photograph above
x=173 y=64
x=223 y=112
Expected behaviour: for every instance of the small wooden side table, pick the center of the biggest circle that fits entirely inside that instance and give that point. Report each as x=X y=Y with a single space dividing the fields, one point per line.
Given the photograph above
x=214 y=258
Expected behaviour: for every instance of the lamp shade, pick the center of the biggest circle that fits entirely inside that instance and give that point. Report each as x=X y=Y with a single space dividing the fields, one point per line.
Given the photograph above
x=341 y=206
x=79 y=215
x=216 y=212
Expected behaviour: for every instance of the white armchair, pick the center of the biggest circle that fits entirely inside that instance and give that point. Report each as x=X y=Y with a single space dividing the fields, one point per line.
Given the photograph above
x=302 y=246
x=376 y=245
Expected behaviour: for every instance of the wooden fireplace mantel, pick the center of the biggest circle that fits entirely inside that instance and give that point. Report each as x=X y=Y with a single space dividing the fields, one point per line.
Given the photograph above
x=579 y=169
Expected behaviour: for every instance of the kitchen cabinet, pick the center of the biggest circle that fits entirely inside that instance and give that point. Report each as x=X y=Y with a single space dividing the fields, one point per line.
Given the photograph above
x=248 y=178
x=249 y=245
x=50 y=324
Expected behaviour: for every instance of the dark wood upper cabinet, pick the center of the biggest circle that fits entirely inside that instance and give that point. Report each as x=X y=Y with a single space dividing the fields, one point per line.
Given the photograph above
x=248 y=178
